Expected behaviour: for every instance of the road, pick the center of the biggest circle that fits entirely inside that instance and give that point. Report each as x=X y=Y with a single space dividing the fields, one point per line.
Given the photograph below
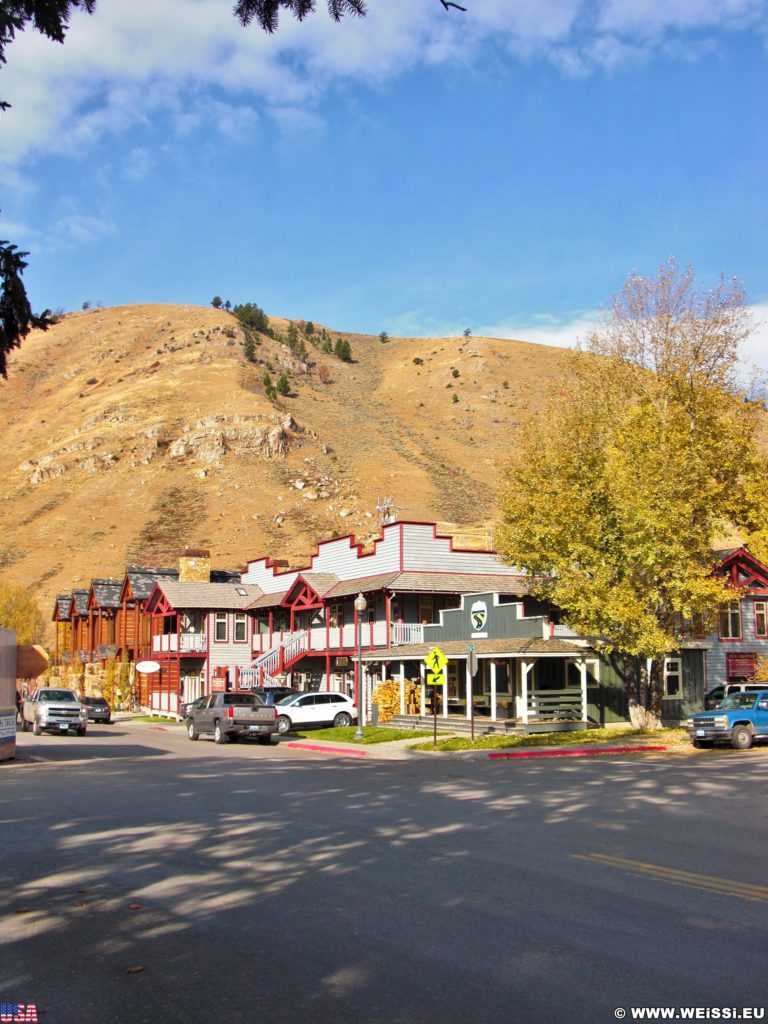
x=270 y=884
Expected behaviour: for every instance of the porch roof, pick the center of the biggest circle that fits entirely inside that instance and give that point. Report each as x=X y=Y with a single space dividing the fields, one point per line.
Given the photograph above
x=514 y=647
x=79 y=605
x=460 y=583
x=61 y=608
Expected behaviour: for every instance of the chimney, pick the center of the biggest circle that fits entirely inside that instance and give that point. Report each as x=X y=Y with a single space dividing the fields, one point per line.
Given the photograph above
x=194 y=565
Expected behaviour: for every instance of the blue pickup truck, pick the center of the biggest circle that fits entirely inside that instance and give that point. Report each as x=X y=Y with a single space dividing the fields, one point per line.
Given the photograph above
x=739 y=720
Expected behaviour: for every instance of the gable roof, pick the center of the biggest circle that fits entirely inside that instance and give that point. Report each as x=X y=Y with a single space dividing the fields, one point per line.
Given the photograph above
x=106 y=593
x=206 y=596
x=61 y=608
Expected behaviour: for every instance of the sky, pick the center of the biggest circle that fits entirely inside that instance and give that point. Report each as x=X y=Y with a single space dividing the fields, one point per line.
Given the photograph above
x=419 y=171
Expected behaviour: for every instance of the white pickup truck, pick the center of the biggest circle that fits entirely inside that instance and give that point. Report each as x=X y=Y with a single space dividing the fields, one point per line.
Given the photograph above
x=55 y=710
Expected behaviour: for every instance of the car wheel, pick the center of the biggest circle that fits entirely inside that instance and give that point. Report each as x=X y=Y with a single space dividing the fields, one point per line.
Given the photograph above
x=283 y=724
x=703 y=744
x=741 y=738
x=81 y=730
x=192 y=732
x=264 y=740
x=342 y=719
x=219 y=735
x=36 y=729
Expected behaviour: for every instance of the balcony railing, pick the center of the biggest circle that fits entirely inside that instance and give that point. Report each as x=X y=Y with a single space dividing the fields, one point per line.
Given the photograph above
x=191 y=643
x=335 y=638
x=407 y=633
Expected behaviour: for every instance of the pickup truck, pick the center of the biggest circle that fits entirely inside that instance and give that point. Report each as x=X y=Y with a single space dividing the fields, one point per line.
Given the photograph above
x=228 y=716
x=740 y=719
x=53 y=709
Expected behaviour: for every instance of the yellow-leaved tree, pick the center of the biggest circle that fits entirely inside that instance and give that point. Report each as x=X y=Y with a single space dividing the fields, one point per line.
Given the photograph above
x=19 y=611
x=615 y=494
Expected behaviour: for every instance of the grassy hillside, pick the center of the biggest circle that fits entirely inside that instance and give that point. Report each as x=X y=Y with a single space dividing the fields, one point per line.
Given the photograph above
x=131 y=431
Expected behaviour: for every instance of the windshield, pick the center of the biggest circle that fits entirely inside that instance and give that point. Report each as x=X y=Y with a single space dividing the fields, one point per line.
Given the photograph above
x=289 y=699
x=737 y=701
x=48 y=695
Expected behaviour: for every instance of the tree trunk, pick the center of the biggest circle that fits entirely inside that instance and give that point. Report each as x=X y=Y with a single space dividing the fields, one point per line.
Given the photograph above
x=644 y=692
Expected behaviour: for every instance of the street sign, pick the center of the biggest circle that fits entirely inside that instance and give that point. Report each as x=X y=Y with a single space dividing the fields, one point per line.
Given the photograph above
x=472 y=663
x=436 y=660
x=435 y=679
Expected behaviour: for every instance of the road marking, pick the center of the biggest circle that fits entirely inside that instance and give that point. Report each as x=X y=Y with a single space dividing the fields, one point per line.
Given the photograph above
x=708 y=883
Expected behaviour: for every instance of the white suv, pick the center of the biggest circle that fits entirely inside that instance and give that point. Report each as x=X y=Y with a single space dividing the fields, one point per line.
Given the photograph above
x=303 y=710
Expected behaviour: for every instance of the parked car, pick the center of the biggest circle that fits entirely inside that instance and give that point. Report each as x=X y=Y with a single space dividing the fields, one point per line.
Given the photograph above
x=186 y=707
x=98 y=709
x=272 y=694
x=315 y=710
x=713 y=697
x=228 y=716
x=739 y=720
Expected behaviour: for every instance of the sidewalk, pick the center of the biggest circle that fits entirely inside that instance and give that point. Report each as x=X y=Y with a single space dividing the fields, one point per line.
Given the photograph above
x=398 y=750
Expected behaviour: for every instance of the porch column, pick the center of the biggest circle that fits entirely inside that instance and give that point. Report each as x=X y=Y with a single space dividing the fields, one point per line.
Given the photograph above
x=445 y=691
x=422 y=670
x=493 y=691
x=583 y=675
x=402 y=687
x=468 y=678
x=525 y=668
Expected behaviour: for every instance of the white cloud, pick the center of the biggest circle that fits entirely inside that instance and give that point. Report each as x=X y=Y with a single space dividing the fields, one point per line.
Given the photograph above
x=77 y=229
x=566 y=333
x=129 y=62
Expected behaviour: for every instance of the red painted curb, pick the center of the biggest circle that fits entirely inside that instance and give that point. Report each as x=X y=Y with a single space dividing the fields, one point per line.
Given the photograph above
x=327 y=750
x=572 y=753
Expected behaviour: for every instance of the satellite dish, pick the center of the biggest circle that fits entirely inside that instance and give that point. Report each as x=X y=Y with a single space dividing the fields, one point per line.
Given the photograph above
x=148 y=666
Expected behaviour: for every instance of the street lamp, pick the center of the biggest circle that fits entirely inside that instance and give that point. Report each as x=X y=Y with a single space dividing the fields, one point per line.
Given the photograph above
x=360 y=605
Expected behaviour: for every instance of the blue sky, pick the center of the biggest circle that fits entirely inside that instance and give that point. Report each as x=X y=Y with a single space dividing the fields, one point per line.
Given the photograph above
x=417 y=171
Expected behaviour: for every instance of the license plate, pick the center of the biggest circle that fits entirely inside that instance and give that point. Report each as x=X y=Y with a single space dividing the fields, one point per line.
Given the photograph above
x=258 y=728
x=700 y=732
x=64 y=727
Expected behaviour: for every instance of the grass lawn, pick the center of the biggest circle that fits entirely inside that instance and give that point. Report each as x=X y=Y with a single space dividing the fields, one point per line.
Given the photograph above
x=156 y=720
x=672 y=738
x=371 y=734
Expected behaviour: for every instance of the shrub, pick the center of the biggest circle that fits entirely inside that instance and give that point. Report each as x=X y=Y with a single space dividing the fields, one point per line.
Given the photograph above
x=282 y=386
x=454 y=372
x=418 y=361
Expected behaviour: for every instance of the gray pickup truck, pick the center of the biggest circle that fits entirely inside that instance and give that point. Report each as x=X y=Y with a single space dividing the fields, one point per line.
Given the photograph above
x=54 y=709
x=228 y=716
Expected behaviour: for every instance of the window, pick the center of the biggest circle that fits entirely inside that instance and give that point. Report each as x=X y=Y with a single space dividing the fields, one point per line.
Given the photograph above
x=730 y=620
x=221 y=626
x=426 y=608
x=761 y=618
x=335 y=615
x=240 y=627
x=673 y=679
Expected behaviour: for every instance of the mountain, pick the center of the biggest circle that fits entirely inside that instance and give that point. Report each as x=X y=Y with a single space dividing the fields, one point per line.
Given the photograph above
x=130 y=432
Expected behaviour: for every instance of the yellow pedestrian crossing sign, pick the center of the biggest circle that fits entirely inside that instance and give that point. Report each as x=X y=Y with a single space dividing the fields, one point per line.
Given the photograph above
x=435 y=679
x=436 y=662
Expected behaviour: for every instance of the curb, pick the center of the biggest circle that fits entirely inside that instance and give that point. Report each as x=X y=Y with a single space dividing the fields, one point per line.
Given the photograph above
x=516 y=754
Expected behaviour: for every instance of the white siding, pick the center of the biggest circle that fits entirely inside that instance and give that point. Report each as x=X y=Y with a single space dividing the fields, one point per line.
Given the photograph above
x=424 y=552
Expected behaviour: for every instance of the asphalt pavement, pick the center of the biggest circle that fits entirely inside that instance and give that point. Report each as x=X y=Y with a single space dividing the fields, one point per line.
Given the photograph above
x=148 y=878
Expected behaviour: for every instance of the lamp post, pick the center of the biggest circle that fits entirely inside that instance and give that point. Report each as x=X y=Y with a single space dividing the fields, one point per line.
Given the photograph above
x=360 y=605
